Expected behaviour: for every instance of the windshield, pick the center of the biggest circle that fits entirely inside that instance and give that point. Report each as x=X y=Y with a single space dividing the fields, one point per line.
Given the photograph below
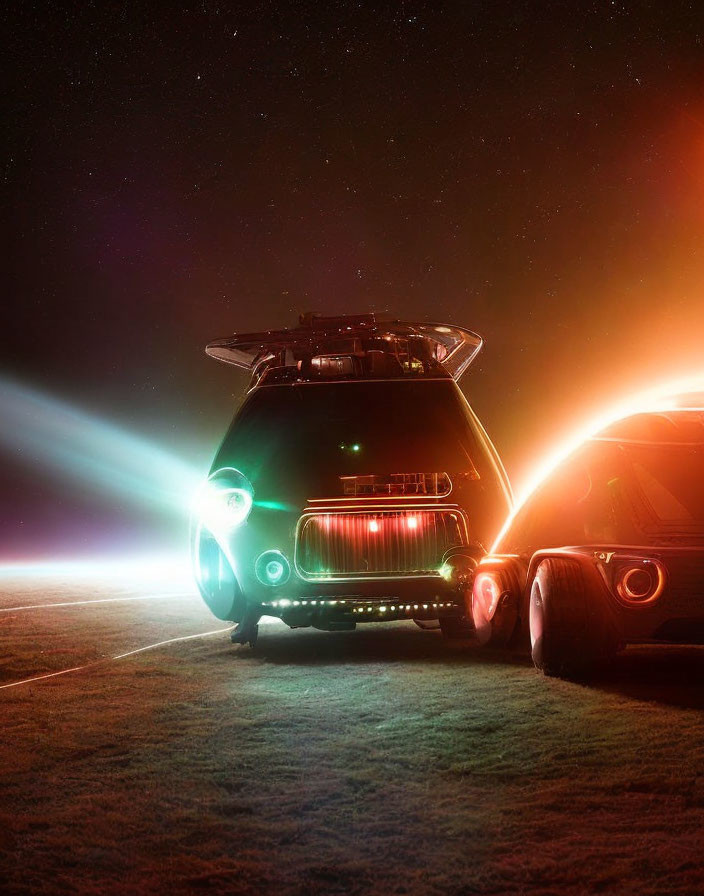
x=327 y=440
x=615 y=493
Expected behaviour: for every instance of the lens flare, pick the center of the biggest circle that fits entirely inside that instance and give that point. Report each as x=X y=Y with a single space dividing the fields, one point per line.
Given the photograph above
x=666 y=396
x=221 y=510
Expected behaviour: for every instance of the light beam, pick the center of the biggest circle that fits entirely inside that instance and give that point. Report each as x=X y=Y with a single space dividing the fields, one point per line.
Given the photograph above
x=46 y=432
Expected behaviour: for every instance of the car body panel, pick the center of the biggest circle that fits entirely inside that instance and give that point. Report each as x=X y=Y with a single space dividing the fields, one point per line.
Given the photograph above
x=629 y=481
x=399 y=469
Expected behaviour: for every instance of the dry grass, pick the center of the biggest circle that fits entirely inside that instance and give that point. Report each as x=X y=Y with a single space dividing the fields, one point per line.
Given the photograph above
x=373 y=761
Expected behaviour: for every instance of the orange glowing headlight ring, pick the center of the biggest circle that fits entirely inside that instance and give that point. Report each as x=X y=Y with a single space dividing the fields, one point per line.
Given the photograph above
x=633 y=598
x=659 y=398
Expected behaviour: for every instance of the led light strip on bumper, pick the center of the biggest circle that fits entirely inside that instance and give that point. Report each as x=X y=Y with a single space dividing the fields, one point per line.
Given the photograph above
x=361 y=606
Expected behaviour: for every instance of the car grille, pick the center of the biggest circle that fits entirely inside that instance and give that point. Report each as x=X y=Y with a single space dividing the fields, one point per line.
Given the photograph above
x=362 y=544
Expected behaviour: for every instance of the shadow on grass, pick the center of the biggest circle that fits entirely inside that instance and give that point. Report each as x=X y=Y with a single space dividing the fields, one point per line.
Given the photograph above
x=389 y=643
x=668 y=675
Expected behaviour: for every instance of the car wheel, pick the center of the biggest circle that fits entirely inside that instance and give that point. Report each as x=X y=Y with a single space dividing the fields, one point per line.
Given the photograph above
x=568 y=629
x=495 y=616
x=216 y=580
x=428 y=625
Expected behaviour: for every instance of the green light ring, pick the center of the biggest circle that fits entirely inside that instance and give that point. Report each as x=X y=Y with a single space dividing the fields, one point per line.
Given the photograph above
x=260 y=568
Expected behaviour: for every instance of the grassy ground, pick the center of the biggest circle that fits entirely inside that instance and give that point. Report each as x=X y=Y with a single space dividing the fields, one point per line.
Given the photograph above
x=375 y=761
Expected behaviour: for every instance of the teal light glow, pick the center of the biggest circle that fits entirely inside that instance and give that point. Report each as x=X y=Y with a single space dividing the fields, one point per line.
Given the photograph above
x=277 y=505
x=51 y=434
x=274 y=570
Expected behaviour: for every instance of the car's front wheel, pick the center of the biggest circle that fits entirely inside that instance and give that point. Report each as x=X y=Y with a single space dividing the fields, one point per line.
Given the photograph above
x=216 y=579
x=494 y=609
x=569 y=632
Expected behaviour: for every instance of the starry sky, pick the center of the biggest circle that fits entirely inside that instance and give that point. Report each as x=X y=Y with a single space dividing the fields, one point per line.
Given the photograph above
x=175 y=172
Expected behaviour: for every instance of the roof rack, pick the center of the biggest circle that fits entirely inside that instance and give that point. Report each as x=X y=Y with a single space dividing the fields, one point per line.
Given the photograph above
x=350 y=346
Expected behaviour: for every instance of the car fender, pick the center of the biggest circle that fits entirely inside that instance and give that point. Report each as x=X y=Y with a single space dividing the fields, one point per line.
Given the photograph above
x=585 y=559
x=512 y=570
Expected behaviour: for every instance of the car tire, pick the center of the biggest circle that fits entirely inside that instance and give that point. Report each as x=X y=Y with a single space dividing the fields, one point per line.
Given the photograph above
x=219 y=588
x=569 y=633
x=496 y=633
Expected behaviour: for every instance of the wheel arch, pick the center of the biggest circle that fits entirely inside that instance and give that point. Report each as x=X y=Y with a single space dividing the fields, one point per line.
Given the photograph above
x=216 y=575
x=586 y=562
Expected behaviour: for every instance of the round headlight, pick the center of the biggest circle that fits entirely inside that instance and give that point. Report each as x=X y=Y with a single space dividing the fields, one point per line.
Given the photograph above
x=272 y=568
x=225 y=501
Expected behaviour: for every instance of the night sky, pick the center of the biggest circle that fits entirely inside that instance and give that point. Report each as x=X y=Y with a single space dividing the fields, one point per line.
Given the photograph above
x=173 y=173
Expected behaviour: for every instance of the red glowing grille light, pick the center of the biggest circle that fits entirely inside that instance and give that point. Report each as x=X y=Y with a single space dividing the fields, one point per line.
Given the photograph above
x=397 y=485
x=376 y=544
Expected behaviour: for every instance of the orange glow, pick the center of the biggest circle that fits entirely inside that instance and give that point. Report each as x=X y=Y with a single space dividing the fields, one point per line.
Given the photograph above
x=666 y=396
x=412 y=522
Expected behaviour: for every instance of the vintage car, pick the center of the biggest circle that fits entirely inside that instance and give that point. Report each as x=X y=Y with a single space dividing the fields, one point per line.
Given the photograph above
x=355 y=483
x=609 y=551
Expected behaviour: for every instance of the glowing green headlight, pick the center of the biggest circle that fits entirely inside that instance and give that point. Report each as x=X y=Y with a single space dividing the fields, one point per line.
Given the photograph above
x=224 y=502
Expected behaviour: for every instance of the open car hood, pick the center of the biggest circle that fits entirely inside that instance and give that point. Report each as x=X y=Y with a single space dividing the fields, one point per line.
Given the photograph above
x=334 y=341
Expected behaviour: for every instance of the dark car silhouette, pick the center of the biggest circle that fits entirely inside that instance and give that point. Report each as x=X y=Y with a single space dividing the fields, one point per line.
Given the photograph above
x=355 y=483
x=609 y=551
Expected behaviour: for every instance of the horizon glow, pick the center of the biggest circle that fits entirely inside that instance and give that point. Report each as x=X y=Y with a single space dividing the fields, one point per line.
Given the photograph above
x=128 y=570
